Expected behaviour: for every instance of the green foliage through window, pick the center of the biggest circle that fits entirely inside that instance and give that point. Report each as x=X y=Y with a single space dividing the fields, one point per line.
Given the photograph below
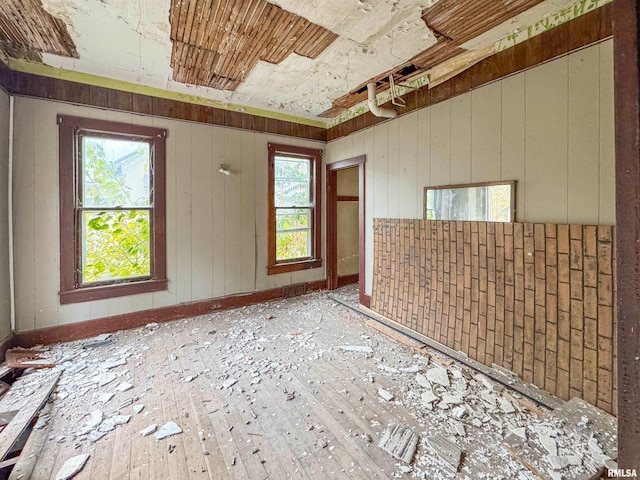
x=116 y=209
x=293 y=208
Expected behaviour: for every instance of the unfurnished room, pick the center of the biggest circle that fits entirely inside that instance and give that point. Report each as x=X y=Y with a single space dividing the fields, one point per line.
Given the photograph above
x=303 y=239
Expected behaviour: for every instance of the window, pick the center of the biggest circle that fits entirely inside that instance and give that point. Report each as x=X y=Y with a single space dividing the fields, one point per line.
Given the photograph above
x=112 y=209
x=483 y=202
x=294 y=208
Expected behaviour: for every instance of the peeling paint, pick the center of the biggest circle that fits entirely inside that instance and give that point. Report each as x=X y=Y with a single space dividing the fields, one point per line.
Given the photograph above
x=89 y=79
x=535 y=21
x=129 y=42
x=552 y=20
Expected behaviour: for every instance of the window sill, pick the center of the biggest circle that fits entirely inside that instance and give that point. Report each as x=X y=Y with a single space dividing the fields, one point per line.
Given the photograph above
x=294 y=266
x=87 y=294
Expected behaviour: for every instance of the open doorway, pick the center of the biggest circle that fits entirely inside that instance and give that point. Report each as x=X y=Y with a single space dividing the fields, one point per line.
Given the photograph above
x=345 y=224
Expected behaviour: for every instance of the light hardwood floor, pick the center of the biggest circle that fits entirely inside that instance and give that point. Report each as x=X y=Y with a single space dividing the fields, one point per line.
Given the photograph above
x=302 y=408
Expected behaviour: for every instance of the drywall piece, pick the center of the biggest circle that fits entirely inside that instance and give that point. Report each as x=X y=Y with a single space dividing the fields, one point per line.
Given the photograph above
x=105 y=397
x=590 y=431
x=385 y=394
x=167 y=430
x=124 y=386
x=549 y=444
x=228 y=383
x=121 y=419
x=149 y=430
x=108 y=425
x=138 y=408
x=412 y=369
x=400 y=442
x=356 y=348
x=446 y=450
x=422 y=381
x=96 y=435
x=505 y=405
x=480 y=378
x=95 y=419
x=452 y=399
x=113 y=364
x=71 y=467
x=520 y=432
x=458 y=428
x=557 y=462
x=386 y=368
x=438 y=375
x=106 y=378
x=429 y=397
x=459 y=412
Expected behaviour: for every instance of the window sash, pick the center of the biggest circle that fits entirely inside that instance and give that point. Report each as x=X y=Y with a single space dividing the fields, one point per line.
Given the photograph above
x=73 y=287
x=115 y=251
x=294 y=256
x=81 y=136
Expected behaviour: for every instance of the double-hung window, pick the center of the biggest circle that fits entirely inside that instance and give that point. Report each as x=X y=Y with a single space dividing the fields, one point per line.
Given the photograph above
x=112 y=209
x=294 y=208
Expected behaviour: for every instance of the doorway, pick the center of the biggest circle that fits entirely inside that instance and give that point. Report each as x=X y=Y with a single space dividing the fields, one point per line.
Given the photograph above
x=345 y=224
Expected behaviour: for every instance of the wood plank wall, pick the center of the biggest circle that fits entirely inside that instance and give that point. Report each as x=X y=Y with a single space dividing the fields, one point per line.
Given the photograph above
x=534 y=298
x=78 y=93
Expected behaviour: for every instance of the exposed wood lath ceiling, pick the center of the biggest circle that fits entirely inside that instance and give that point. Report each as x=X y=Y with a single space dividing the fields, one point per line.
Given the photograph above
x=27 y=31
x=299 y=59
x=216 y=43
x=453 y=22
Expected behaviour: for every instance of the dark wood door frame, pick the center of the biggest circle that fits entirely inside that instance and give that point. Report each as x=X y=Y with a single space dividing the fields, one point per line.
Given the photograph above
x=332 y=223
x=626 y=35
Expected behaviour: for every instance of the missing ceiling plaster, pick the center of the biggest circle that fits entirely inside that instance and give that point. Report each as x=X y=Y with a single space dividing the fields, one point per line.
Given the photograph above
x=223 y=56
x=27 y=31
x=452 y=22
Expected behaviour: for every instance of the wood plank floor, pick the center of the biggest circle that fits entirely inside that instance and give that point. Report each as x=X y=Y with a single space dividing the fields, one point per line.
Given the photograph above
x=302 y=408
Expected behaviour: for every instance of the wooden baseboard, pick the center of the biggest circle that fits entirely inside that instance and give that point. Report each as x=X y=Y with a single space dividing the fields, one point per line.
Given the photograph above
x=90 y=328
x=365 y=300
x=348 y=279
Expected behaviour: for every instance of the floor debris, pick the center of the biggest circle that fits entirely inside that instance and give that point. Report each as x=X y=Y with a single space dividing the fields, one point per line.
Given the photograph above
x=124 y=386
x=249 y=368
x=167 y=430
x=385 y=394
x=27 y=358
x=574 y=441
x=446 y=450
x=438 y=375
x=400 y=442
x=95 y=419
x=72 y=467
x=149 y=430
x=356 y=348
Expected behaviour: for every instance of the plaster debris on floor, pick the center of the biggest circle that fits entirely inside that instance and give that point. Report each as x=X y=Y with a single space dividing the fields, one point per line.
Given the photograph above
x=300 y=383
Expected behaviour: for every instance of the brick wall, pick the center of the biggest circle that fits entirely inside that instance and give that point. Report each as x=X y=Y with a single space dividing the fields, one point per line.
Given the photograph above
x=537 y=299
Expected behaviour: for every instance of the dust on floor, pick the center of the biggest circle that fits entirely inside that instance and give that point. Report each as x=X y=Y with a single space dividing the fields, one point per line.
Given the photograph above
x=297 y=388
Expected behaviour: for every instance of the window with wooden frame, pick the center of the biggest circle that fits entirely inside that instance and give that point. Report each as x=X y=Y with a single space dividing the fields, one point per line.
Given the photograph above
x=481 y=202
x=112 y=209
x=294 y=208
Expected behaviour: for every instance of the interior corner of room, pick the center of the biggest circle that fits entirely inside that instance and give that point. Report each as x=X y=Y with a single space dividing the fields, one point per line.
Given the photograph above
x=549 y=291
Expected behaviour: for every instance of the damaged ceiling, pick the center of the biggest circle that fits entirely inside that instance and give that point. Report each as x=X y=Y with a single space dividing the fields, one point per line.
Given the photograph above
x=27 y=31
x=305 y=58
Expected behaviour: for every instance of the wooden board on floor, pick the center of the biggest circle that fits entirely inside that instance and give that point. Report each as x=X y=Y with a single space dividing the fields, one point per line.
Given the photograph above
x=17 y=425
